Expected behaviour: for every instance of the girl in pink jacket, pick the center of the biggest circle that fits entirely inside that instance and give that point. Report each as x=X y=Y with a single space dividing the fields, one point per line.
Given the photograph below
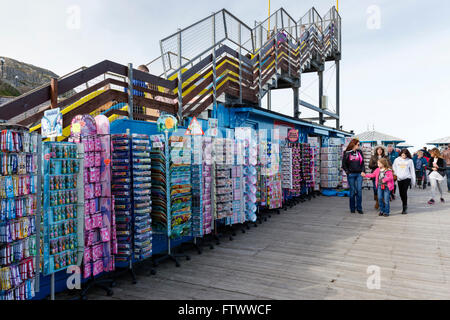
x=384 y=181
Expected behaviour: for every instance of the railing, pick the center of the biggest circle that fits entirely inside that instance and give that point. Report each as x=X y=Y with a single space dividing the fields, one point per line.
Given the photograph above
x=219 y=54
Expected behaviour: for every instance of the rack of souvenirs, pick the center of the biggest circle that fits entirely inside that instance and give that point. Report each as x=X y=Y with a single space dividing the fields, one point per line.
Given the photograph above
x=20 y=194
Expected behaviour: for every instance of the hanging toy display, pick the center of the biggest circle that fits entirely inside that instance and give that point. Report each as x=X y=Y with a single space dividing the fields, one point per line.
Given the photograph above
x=61 y=206
x=19 y=212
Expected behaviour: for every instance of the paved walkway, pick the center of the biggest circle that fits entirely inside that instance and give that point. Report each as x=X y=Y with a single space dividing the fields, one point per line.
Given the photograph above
x=317 y=250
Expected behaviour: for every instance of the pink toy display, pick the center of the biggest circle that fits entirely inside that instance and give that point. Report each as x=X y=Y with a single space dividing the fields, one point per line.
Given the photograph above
x=100 y=241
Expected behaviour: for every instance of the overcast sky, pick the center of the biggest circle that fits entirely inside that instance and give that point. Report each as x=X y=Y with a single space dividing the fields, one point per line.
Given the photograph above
x=394 y=69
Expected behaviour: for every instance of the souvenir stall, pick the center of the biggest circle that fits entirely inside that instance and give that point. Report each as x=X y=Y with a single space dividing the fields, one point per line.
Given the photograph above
x=20 y=212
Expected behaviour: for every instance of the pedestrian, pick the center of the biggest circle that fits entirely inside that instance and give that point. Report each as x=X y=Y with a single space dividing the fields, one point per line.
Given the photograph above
x=437 y=177
x=406 y=175
x=446 y=156
x=384 y=181
x=379 y=153
x=420 y=164
x=353 y=165
x=392 y=155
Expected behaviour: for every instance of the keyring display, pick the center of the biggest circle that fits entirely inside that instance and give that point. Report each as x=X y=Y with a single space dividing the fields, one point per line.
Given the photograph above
x=19 y=212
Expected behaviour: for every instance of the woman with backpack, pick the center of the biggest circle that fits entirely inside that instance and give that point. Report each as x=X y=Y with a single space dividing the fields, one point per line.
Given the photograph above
x=420 y=164
x=353 y=165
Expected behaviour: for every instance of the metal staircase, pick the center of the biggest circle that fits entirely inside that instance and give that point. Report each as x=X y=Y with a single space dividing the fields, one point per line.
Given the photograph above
x=219 y=56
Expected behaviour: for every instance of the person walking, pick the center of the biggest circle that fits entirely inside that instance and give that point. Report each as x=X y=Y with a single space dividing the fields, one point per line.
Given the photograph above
x=384 y=181
x=379 y=153
x=353 y=165
x=392 y=155
x=446 y=156
x=406 y=175
x=420 y=164
x=437 y=177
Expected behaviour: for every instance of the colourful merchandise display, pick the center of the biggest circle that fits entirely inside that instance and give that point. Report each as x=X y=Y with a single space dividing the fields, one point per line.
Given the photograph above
x=250 y=152
x=296 y=169
x=201 y=186
x=62 y=228
x=367 y=151
x=273 y=177
x=121 y=190
x=142 y=196
x=19 y=212
x=99 y=219
x=307 y=166
x=315 y=147
x=180 y=186
x=286 y=168
x=223 y=155
x=330 y=165
x=159 y=184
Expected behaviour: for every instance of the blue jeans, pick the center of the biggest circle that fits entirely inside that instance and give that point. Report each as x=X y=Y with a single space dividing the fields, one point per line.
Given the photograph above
x=384 y=198
x=448 y=178
x=355 y=181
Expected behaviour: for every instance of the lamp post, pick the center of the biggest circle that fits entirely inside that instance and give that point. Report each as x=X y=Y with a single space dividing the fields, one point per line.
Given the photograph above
x=2 y=61
x=16 y=78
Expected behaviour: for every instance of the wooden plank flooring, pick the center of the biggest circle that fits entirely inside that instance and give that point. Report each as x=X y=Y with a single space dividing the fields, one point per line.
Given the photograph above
x=317 y=250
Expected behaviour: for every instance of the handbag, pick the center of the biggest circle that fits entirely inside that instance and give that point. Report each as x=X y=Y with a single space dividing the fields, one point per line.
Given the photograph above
x=395 y=177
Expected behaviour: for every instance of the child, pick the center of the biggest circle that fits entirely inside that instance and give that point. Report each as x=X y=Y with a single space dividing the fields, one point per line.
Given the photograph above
x=384 y=181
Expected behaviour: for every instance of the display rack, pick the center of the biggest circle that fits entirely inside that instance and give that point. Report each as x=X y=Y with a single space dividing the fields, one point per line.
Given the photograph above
x=142 y=202
x=63 y=211
x=329 y=167
x=367 y=151
x=123 y=197
x=20 y=211
x=172 y=218
x=201 y=189
x=315 y=147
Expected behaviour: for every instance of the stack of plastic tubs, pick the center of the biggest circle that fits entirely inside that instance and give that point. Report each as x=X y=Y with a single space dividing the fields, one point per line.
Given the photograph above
x=330 y=167
x=142 y=199
x=367 y=153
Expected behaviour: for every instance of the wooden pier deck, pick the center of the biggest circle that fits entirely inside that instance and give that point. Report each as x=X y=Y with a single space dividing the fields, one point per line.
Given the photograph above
x=317 y=250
